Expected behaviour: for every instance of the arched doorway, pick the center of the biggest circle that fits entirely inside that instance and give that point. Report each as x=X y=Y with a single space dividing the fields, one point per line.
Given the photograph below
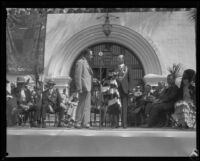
x=109 y=61
x=69 y=50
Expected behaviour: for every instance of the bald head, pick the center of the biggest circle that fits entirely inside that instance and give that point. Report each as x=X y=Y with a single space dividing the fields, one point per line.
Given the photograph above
x=120 y=59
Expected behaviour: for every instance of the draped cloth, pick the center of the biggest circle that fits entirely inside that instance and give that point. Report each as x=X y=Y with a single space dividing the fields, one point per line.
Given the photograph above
x=24 y=44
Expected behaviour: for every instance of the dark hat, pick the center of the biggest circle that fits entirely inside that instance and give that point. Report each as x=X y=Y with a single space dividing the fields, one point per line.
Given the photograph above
x=188 y=74
x=51 y=82
x=21 y=80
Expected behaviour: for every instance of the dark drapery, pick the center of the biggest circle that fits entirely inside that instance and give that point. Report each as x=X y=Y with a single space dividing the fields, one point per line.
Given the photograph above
x=25 y=37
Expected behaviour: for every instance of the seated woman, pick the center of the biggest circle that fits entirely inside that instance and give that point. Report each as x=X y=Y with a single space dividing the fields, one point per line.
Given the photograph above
x=185 y=108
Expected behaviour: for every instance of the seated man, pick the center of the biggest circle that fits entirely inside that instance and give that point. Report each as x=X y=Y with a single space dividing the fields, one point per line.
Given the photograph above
x=141 y=101
x=11 y=105
x=37 y=102
x=24 y=102
x=51 y=103
x=159 y=89
x=164 y=104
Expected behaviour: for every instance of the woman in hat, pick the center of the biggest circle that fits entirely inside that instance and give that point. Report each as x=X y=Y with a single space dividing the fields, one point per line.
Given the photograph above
x=185 y=108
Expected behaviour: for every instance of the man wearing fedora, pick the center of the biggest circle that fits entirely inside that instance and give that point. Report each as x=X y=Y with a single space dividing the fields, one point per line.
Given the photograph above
x=51 y=101
x=24 y=102
x=83 y=82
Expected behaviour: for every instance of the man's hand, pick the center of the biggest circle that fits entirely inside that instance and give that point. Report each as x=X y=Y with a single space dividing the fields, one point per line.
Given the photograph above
x=79 y=91
x=8 y=97
x=76 y=94
x=156 y=101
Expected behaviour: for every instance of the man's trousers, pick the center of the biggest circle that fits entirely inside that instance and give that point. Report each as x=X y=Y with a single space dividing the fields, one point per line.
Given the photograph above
x=83 y=109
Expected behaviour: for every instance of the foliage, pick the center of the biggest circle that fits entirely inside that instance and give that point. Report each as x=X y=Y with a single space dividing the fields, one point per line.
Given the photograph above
x=175 y=70
x=29 y=11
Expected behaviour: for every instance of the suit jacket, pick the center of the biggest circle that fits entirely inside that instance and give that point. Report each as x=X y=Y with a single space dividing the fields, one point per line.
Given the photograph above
x=125 y=82
x=17 y=94
x=170 y=95
x=37 y=98
x=53 y=98
x=83 y=75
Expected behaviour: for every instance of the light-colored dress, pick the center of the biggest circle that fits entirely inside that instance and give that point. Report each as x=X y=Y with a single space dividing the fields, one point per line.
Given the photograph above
x=185 y=110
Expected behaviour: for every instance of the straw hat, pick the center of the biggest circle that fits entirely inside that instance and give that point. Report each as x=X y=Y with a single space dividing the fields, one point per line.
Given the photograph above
x=51 y=82
x=21 y=80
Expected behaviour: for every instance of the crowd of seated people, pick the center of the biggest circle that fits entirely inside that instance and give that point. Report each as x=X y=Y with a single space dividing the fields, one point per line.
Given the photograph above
x=168 y=105
x=31 y=105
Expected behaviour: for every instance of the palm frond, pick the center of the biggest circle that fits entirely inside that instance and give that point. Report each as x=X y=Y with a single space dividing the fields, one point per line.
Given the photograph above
x=192 y=15
x=175 y=70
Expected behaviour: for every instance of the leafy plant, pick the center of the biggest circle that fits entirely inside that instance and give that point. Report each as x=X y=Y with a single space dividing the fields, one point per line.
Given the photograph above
x=175 y=70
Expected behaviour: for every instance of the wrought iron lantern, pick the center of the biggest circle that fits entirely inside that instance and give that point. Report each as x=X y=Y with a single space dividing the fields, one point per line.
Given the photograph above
x=107 y=27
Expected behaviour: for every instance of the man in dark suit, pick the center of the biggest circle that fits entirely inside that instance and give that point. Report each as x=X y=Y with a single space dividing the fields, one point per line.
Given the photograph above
x=164 y=104
x=51 y=100
x=37 y=102
x=123 y=80
x=83 y=82
x=11 y=106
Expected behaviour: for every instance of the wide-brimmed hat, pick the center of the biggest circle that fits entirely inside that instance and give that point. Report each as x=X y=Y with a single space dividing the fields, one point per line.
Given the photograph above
x=51 y=82
x=21 y=80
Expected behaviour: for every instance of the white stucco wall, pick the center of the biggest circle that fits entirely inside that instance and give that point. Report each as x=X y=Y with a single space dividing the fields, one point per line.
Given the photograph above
x=171 y=34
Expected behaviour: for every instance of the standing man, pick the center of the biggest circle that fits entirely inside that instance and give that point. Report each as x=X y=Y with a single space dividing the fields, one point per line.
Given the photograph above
x=123 y=81
x=83 y=82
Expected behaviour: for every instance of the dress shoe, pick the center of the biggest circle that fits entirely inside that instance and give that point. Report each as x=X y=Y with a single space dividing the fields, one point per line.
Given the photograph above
x=44 y=125
x=60 y=124
x=33 y=124
x=87 y=126
x=144 y=125
x=124 y=126
x=77 y=126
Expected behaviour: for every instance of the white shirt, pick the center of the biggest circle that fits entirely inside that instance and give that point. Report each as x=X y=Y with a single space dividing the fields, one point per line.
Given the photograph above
x=23 y=96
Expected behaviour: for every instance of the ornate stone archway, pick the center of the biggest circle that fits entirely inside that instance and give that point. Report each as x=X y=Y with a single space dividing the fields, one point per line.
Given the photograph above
x=121 y=35
x=94 y=35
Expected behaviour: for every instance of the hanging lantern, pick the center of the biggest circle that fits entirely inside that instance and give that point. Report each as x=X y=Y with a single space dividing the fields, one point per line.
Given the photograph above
x=107 y=27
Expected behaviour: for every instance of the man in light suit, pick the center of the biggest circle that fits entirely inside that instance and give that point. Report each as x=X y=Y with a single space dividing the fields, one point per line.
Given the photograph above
x=83 y=82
